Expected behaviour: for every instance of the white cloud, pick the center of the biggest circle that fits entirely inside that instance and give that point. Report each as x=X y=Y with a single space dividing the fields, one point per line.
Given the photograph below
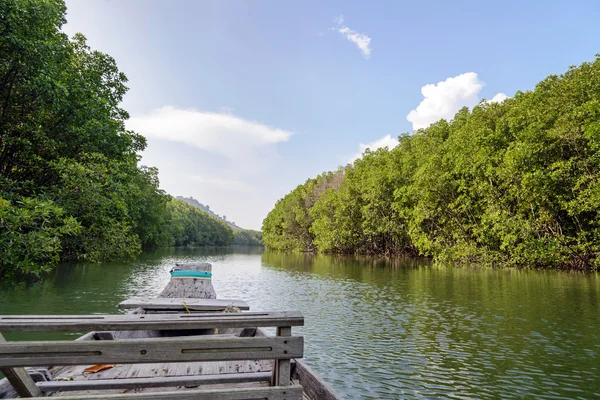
x=220 y=159
x=444 y=100
x=362 y=41
x=499 y=98
x=220 y=133
x=386 y=141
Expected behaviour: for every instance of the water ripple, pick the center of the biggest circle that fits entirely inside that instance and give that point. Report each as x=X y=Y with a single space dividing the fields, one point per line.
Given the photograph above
x=384 y=329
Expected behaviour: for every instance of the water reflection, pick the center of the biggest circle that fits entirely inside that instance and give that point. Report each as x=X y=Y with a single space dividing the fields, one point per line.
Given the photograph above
x=414 y=330
x=381 y=328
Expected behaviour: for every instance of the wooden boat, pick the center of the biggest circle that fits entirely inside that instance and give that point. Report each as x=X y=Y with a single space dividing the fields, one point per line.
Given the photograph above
x=184 y=344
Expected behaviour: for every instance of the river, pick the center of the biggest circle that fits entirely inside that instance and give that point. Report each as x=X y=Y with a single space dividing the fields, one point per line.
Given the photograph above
x=378 y=329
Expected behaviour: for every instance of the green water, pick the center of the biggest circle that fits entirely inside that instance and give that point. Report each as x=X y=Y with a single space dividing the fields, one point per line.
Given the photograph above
x=377 y=329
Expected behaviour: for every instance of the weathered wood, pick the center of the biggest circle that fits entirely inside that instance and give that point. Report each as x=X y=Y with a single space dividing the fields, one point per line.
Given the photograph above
x=78 y=323
x=258 y=393
x=190 y=288
x=22 y=354
x=19 y=378
x=162 y=375
x=314 y=386
x=137 y=383
x=206 y=267
x=183 y=304
x=281 y=370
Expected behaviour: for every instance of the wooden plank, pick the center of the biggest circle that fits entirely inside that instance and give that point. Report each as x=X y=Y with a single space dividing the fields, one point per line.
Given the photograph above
x=182 y=304
x=281 y=370
x=314 y=386
x=131 y=351
x=136 y=383
x=20 y=379
x=79 y=323
x=258 y=393
x=206 y=267
x=196 y=288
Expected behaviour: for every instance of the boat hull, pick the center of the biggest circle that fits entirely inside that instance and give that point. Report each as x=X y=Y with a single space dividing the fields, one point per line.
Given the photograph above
x=313 y=386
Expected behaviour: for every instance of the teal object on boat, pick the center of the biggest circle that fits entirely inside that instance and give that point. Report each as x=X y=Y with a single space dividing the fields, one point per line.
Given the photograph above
x=190 y=274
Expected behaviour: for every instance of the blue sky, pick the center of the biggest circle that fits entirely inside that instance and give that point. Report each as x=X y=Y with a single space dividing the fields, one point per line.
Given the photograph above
x=243 y=101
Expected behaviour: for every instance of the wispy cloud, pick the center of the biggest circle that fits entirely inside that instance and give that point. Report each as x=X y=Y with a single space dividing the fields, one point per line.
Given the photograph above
x=221 y=133
x=386 y=141
x=220 y=158
x=361 y=40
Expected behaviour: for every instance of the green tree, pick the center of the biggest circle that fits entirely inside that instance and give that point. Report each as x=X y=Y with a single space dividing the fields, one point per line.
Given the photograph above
x=30 y=236
x=288 y=226
x=69 y=175
x=190 y=226
x=247 y=237
x=513 y=183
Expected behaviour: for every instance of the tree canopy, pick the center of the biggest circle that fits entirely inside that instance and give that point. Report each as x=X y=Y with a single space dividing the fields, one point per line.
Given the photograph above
x=71 y=186
x=512 y=183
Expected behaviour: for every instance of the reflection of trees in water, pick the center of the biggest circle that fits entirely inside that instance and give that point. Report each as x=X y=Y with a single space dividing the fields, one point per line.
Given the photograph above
x=336 y=265
x=480 y=323
x=426 y=285
x=420 y=323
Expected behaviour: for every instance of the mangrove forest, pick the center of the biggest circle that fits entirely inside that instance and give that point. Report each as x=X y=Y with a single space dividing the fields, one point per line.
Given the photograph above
x=513 y=183
x=71 y=185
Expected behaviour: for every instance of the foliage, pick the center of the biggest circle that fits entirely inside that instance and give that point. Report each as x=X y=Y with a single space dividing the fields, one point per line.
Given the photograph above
x=511 y=183
x=190 y=226
x=70 y=183
x=96 y=191
x=206 y=209
x=247 y=237
x=58 y=97
x=287 y=227
x=30 y=233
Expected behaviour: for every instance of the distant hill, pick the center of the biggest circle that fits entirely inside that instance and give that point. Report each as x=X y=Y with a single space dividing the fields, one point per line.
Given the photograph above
x=192 y=201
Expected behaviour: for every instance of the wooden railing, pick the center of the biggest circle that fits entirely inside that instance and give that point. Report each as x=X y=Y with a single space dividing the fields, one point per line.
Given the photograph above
x=281 y=348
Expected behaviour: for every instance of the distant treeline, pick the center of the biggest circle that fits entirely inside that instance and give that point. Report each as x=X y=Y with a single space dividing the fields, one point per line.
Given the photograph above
x=247 y=237
x=70 y=183
x=515 y=183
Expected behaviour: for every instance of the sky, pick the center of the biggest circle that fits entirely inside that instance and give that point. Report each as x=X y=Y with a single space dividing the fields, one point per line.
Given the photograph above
x=241 y=101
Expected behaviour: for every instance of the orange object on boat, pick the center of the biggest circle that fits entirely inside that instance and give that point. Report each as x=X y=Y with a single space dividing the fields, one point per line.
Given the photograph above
x=98 y=367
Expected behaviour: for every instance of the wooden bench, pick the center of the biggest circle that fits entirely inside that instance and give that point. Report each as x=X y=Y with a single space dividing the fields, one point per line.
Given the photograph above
x=182 y=304
x=281 y=348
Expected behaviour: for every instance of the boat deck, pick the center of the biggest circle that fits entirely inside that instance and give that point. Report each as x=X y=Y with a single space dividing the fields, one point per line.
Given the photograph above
x=163 y=370
x=157 y=348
